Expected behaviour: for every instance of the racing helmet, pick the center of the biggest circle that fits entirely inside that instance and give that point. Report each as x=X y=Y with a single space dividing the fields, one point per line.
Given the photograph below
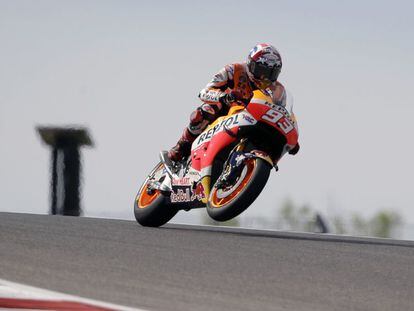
x=264 y=64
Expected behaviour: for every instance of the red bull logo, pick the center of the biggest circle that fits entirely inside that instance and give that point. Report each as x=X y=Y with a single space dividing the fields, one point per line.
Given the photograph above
x=199 y=193
x=180 y=196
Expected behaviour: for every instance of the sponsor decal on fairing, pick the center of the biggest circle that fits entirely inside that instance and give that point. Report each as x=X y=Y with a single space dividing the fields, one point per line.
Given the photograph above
x=240 y=119
x=248 y=118
x=180 y=196
x=181 y=181
x=188 y=194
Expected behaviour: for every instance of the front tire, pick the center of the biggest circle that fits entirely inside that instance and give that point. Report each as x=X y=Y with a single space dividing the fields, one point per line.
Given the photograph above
x=225 y=204
x=151 y=209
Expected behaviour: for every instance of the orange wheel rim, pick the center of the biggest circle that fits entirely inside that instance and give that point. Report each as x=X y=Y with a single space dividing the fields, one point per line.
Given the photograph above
x=218 y=202
x=144 y=198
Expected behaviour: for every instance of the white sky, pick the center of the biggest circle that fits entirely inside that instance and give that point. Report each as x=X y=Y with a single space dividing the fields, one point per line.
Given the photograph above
x=131 y=72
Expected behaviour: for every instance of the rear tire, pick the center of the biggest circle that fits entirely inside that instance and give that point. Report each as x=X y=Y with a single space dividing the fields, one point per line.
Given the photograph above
x=226 y=204
x=152 y=210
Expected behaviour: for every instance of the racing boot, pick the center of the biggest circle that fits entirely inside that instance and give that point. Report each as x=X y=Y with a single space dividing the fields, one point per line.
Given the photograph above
x=199 y=120
x=183 y=147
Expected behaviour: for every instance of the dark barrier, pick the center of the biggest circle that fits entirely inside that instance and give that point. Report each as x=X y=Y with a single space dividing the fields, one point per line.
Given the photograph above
x=321 y=224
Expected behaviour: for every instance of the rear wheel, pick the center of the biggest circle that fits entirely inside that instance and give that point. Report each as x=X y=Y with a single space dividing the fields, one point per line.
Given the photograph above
x=151 y=208
x=230 y=201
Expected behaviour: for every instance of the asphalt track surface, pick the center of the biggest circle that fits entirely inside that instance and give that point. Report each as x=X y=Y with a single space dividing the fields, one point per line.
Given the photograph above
x=204 y=268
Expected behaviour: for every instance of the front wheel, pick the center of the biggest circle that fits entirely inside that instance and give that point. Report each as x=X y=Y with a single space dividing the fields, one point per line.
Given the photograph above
x=151 y=208
x=227 y=203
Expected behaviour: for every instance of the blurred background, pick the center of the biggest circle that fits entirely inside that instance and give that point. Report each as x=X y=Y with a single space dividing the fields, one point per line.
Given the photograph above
x=130 y=72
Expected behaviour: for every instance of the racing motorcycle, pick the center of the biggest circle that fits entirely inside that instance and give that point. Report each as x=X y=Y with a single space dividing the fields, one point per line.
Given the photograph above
x=229 y=165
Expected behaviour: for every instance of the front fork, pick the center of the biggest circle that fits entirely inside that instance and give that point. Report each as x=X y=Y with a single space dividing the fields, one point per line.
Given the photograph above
x=235 y=163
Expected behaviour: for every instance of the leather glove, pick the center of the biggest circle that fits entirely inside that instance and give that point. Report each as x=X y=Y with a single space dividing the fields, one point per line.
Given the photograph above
x=234 y=96
x=295 y=149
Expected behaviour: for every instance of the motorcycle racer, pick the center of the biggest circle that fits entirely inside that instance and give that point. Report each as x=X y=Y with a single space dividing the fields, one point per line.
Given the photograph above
x=234 y=85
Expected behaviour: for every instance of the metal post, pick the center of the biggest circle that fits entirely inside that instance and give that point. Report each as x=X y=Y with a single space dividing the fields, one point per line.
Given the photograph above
x=71 y=176
x=53 y=192
x=66 y=167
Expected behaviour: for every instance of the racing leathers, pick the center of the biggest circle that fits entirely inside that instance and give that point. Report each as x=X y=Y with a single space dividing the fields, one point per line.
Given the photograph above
x=230 y=86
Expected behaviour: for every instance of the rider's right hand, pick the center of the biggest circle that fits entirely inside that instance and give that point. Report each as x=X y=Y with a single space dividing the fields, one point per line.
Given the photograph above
x=295 y=149
x=226 y=99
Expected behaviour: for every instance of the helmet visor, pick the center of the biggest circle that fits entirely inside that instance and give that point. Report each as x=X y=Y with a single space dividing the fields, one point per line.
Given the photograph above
x=263 y=72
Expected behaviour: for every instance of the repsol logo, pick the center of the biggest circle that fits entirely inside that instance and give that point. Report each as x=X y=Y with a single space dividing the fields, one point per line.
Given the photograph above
x=230 y=122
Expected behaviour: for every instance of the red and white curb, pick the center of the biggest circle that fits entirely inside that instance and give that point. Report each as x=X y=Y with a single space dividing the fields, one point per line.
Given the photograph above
x=15 y=296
